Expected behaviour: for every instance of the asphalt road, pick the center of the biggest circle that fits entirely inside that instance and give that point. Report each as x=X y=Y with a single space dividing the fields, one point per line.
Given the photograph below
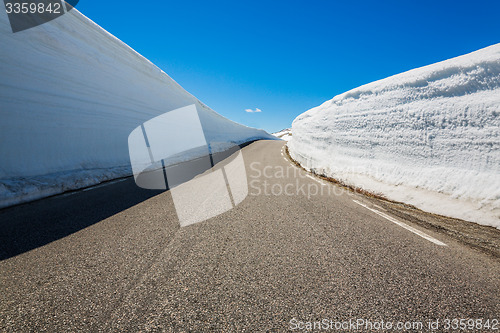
x=114 y=258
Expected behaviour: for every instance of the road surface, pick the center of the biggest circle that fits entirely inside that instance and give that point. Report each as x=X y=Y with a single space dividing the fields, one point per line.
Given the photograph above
x=114 y=258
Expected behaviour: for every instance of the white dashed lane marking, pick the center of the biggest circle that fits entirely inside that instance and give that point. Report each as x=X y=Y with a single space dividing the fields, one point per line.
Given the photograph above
x=403 y=225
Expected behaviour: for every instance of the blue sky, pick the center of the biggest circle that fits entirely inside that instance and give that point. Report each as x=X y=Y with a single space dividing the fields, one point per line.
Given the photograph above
x=285 y=57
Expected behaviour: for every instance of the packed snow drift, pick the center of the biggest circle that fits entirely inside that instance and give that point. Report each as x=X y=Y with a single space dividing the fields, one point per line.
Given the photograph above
x=71 y=93
x=429 y=137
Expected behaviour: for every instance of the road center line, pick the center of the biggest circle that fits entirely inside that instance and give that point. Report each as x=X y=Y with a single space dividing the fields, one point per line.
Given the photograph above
x=403 y=225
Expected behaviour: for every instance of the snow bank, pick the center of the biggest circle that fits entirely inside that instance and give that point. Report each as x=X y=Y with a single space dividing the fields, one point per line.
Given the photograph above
x=70 y=94
x=285 y=134
x=429 y=137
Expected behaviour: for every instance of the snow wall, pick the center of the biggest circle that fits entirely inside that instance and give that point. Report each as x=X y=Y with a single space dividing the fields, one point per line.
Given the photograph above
x=70 y=94
x=429 y=137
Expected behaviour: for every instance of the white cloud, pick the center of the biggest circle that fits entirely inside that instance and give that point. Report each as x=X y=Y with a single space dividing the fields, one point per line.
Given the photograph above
x=256 y=110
